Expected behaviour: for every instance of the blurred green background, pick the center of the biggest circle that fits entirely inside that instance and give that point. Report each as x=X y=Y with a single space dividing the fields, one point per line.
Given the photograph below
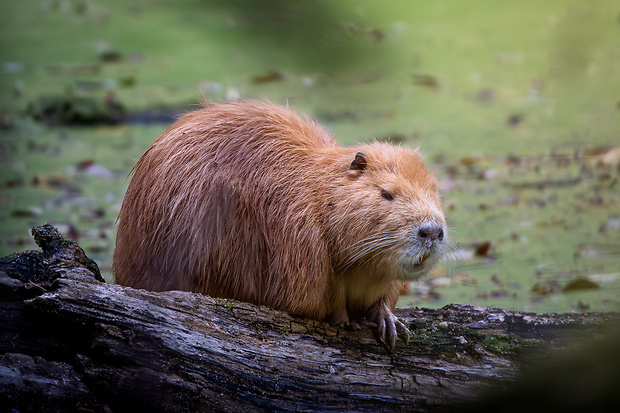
x=516 y=106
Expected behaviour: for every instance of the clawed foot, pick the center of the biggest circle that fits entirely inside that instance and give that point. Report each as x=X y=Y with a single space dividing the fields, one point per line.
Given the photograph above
x=380 y=318
x=388 y=327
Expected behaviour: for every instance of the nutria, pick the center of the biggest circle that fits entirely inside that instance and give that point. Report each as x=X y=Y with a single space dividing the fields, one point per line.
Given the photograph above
x=248 y=200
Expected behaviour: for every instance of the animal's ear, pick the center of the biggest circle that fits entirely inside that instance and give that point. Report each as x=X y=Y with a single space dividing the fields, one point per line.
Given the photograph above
x=359 y=163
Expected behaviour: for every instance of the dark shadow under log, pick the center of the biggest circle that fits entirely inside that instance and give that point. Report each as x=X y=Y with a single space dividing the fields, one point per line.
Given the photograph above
x=70 y=342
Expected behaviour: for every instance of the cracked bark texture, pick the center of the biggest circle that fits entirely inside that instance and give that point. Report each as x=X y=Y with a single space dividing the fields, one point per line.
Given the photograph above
x=70 y=342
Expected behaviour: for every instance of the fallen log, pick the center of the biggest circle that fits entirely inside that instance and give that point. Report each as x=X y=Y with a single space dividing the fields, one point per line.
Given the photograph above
x=71 y=342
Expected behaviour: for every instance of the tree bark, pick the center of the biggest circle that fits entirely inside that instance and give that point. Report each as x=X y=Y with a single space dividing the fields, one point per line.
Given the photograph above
x=70 y=342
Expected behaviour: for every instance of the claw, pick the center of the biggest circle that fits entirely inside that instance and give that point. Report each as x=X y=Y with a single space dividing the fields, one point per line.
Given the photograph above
x=392 y=335
x=388 y=327
x=368 y=323
x=381 y=330
x=354 y=325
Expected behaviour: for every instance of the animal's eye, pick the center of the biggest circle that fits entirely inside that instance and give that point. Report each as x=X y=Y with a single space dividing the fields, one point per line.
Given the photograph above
x=386 y=195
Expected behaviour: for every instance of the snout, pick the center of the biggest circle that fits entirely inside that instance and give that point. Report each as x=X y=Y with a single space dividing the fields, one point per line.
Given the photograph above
x=423 y=249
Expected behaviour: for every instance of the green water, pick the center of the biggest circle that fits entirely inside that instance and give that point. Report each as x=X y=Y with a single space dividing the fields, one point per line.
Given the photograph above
x=511 y=103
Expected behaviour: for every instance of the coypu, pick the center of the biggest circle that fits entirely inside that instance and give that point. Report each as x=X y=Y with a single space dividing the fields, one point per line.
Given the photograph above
x=247 y=200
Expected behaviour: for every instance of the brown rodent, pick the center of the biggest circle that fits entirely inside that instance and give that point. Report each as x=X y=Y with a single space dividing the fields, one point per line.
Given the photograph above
x=249 y=201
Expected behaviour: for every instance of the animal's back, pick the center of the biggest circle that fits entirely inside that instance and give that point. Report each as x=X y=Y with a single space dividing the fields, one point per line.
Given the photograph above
x=218 y=196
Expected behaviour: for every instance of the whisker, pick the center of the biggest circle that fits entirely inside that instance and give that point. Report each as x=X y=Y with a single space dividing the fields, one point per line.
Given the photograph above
x=373 y=239
x=371 y=245
x=377 y=252
x=454 y=231
x=366 y=240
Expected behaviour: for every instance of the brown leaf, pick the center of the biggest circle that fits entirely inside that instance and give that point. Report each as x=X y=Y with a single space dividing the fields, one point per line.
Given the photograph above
x=482 y=249
x=469 y=161
x=82 y=166
x=546 y=287
x=515 y=120
x=30 y=212
x=14 y=183
x=427 y=81
x=611 y=157
x=271 y=76
x=581 y=284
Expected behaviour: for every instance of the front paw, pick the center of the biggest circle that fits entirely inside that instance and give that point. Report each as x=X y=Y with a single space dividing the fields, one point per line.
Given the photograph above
x=388 y=327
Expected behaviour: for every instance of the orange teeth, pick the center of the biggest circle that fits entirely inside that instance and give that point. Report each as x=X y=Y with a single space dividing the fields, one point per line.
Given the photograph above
x=424 y=258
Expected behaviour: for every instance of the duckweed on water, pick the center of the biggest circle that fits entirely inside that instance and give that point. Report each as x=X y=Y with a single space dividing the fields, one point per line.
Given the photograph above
x=514 y=105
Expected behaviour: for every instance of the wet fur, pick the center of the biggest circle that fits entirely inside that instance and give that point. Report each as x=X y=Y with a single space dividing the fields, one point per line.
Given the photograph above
x=248 y=200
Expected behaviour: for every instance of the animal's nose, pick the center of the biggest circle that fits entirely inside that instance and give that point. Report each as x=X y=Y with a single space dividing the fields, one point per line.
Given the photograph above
x=430 y=232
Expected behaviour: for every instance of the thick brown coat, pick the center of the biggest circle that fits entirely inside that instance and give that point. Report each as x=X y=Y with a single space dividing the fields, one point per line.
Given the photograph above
x=249 y=201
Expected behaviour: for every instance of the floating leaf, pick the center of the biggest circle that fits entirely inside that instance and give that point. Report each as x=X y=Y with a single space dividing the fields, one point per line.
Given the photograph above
x=581 y=284
x=89 y=167
x=461 y=276
x=110 y=56
x=271 y=76
x=546 y=287
x=81 y=166
x=499 y=293
x=30 y=212
x=515 y=120
x=465 y=278
x=14 y=183
x=469 y=161
x=485 y=95
x=613 y=223
x=611 y=157
x=482 y=249
x=427 y=81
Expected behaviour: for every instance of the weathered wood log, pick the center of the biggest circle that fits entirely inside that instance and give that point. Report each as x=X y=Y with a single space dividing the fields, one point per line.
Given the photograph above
x=70 y=342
